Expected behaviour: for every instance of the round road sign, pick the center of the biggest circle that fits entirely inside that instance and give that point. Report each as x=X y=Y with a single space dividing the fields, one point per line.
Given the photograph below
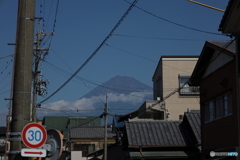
x=34 y=135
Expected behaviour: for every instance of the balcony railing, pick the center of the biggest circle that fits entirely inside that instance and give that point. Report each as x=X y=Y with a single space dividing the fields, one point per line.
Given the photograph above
x=190 y=90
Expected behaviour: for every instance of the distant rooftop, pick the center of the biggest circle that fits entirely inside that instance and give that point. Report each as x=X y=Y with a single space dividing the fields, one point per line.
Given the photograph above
x=157 y=133
x=89 y=132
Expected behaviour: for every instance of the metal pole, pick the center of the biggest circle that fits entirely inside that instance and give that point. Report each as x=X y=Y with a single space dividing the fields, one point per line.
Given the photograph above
x=22 y=75
x=105 y=135
x=238 y=89
x=221 y=10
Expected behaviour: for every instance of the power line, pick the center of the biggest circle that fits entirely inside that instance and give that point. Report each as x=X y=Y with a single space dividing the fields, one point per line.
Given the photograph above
x=100 y=116
x=79 y=78
x=78 y=110
x=4 y=92
x=7 y=56
x=117 y=90
x=97 y=83
x=8 y=63
x=168 y=39
x=143 y=57
x=130 y=53
x=95 y=52
x=175 y=22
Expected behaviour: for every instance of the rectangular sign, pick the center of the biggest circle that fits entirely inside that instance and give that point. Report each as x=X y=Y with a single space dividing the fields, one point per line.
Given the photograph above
x=27 y=152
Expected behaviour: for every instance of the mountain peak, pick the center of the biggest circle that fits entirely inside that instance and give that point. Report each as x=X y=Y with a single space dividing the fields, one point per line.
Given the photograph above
x=119 y=84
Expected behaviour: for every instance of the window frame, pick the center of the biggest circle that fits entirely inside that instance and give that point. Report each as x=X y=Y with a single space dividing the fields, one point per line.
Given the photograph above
x=218 y=108
x=186 y=89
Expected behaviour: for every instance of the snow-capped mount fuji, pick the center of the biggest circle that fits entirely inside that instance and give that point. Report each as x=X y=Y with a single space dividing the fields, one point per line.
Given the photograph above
x=124 y=94
x=119 y=85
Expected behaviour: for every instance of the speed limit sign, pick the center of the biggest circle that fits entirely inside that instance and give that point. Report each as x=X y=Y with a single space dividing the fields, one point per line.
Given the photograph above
x=34 y=135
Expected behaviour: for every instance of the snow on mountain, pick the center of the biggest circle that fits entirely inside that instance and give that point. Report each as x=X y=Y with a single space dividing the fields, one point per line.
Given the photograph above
x=125 y=94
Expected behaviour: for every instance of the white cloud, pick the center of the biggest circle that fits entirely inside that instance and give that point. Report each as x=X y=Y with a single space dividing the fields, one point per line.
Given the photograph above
x=132 y=98
x=87 y=104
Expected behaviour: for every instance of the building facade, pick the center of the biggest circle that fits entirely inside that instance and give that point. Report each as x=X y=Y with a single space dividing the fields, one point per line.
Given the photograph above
x=172 y=73
x=215 y=73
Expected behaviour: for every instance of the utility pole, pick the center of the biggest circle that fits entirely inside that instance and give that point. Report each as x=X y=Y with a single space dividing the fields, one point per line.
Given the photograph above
x=38 y=84
x=22 y=75
x=105 y=135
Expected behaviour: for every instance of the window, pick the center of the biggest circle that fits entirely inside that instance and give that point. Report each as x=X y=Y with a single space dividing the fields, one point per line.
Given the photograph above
x=185 y=88
x=227 y=104
x=209 y=111
x=218 y=108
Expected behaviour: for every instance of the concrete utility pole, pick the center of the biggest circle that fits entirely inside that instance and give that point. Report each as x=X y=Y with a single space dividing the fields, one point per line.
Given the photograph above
x=105 y=135
x=22 y=75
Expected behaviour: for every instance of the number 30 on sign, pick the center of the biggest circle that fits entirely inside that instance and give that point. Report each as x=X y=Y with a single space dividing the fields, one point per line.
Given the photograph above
x=34 y=135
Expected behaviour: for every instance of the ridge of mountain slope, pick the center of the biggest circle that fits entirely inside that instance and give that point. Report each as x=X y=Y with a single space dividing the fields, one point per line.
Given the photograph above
x=118 y=85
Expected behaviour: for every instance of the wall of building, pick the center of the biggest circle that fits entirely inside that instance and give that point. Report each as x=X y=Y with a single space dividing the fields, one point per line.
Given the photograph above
x=220 y=133
x=157 y=82
x=177 y=104
x=77 y=155
x=98 y=143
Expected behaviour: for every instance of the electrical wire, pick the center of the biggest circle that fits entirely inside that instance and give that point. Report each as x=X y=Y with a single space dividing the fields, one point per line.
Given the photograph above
x=168 y=39
x=130 y=53
x=100 y=116
x=4 y=92
x=91 y=88
x=5 y=77
x=79 y=78
x=7 y=56
x=143 y=57
x=8 y=63
x=88 y=80
x=175 y=22
x=77 y=110
x=94 y=53
x=106 y=87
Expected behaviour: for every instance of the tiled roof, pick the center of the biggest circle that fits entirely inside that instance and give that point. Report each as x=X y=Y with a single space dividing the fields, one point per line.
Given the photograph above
x=157 y=133
x=89 y=132
x=194 y=120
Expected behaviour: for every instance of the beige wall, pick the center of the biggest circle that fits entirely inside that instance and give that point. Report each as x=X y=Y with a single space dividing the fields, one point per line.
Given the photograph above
x=97 y=142
x=77 y=155
x=177 y=104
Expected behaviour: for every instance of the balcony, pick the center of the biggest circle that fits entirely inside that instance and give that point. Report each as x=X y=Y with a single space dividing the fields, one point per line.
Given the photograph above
x=190 y=90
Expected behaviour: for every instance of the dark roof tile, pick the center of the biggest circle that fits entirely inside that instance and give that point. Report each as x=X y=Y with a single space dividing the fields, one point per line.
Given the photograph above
x=194 y=120
x=159 y=133
x=89 y=132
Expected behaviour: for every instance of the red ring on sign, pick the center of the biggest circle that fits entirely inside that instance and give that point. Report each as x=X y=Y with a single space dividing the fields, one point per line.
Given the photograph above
x=25 y=141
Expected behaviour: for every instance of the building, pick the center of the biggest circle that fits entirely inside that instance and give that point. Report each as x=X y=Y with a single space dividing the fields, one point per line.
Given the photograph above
x=163 y=139
x=85 y=140
x=173 y=72
x=215 y=73
x=64 y=123
x=230 y=24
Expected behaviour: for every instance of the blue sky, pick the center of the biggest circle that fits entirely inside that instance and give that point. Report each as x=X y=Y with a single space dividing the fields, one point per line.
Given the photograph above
x=133 y=50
